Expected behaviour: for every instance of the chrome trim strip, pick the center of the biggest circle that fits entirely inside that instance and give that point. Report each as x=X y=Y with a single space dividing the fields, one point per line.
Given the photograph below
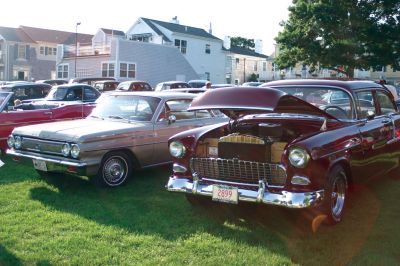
x=37 y=157
x=287 y=199
x=229 y=182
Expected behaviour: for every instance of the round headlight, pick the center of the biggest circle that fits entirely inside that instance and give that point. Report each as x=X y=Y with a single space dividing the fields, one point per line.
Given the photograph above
x=298 y=157
x=177 y=149
x=75 y=150
x=11 y=141
x=18 y=142
x=65 y=150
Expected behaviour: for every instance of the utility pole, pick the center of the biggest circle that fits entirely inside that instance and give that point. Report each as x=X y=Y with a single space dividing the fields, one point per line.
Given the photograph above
x=244 y=70
x=76 y=44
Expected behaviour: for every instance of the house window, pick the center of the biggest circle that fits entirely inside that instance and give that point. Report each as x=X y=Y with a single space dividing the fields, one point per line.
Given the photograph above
x=41 y=50
x=127 y=70
x=54 y=51
x=255 y=66
x=264 y=66
x=208 y=49
x=181 y=45
x=107 y=69
x=207 y=75
x=237 y=63
x=22 y=51
x=62 y=71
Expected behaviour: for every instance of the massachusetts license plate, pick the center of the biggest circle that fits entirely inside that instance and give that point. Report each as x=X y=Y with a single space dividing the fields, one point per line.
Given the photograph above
x=39 y=165
x=225 y=194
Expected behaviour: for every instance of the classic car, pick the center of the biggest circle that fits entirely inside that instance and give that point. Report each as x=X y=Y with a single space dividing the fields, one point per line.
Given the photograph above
x=134 y=85
x=13 y=116
x=72 y=92
x=126 y=131
x=170 y=85
x=26 y=91
x=297 y=144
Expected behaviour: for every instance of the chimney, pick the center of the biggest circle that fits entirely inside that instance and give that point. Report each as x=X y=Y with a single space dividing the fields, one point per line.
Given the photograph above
x=227 y=42
x=258 y=46
x=210 y=30
x=175 y=20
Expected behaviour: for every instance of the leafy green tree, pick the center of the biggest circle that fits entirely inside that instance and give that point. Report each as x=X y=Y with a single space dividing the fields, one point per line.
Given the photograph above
x=341 y=34
x=253 y=77
x=242 y=42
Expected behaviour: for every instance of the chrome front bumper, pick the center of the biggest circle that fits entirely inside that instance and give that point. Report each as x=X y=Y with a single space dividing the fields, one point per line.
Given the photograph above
x=284 y=198
x=53 y=165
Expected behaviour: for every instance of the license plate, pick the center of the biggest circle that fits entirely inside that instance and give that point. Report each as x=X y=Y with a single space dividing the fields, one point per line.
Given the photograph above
x=225 y=194
x=39 y=165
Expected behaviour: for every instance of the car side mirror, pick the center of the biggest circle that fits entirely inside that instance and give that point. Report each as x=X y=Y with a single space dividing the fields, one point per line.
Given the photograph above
x=370 y=115
x=171 y=119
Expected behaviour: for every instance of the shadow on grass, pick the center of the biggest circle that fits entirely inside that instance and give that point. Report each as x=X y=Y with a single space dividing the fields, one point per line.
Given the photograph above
x=6 y=258
x=12 y=172
x=144 y=206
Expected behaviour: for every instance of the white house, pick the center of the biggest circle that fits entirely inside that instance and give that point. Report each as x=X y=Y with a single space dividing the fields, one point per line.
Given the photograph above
x=124 y=60
x=201 y=49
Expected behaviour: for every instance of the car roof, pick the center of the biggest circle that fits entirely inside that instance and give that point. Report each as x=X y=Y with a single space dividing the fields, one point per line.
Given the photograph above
x=350 y=85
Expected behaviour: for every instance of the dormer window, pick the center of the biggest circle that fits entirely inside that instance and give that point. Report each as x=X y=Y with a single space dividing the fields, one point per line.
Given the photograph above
x=208 y=49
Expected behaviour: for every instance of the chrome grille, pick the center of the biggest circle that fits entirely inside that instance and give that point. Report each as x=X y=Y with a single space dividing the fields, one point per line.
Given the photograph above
x=238 y=171
x=42 y=146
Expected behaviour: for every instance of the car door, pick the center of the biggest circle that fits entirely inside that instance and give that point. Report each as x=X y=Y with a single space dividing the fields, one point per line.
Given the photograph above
x=387 y=109
x=376 y=131
x=174 y=118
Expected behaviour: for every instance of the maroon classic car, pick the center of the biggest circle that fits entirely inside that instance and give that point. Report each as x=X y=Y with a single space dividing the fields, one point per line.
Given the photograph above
x=11 y=117
x=296 y=143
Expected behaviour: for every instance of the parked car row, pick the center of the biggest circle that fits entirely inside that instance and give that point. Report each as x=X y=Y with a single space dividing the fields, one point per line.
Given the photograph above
x=292 y=143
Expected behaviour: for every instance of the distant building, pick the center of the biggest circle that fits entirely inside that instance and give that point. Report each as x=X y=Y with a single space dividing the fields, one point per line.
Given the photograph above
x=201 y=49
x=28 y=53
x=124 y=60
x=242 y=63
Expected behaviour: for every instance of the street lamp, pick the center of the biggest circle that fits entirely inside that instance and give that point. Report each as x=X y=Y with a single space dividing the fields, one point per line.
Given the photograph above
x=76 y=44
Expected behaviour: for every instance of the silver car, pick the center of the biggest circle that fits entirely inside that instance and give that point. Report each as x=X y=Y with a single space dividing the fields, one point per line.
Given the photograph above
x=126 y=131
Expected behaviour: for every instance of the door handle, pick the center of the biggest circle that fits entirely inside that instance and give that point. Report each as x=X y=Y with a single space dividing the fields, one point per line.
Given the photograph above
x=48 y=113
x=386 y=121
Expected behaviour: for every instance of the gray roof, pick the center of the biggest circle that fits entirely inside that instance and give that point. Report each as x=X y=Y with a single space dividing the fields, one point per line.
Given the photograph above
x=33 y=35
x=15 y=35
x=178 y=28
x=113 y=32
x=246 y=51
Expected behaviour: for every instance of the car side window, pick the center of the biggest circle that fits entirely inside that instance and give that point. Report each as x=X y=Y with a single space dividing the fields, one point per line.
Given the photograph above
x=178 y=108
x=366 y=104
x=385 y=103
x=89 y=94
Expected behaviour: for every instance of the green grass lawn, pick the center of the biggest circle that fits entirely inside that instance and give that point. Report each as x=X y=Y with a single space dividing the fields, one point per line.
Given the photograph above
x=67 y=220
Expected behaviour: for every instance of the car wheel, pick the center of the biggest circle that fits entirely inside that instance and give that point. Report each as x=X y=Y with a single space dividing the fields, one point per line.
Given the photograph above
x=115 y=169
x=335 y=195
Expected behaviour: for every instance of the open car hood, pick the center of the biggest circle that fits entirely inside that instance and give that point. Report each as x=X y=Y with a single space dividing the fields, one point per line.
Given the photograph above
x=237 y=101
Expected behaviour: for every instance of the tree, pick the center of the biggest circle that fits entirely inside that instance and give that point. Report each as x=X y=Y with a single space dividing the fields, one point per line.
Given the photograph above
x=243 y=42
x=341 y=34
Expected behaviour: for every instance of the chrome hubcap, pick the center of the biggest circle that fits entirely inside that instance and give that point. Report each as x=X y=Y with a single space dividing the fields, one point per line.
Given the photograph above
x=115 y=170
x=338 y=196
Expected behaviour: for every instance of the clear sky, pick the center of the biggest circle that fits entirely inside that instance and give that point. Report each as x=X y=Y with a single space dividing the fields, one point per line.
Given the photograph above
x=252 y=19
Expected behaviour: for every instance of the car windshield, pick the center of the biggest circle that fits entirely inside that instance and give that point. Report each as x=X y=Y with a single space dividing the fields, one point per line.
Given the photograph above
x=335 y=102
x=57 y=93
x=126 y=107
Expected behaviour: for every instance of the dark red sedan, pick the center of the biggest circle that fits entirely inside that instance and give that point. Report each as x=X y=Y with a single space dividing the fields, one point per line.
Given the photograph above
x=292 y=143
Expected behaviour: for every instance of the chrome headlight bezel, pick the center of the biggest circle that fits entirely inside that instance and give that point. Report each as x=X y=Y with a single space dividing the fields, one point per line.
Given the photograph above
x=177 y=149
x=17 y=142
x=298 y=157
x=66 y=149
x=75 y=151
x=11 y=141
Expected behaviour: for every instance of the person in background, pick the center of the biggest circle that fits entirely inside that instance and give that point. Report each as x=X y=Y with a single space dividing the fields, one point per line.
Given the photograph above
x=17 y=102
x=208 y=85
